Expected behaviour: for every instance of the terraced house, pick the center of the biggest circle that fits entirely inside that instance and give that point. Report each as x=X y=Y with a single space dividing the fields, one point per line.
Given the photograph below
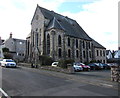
x=60 y=37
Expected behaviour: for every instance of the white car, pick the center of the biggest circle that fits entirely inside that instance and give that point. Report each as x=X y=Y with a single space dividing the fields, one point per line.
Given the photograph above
x=0 y=61
x=77 y=67
x=55 y=64
x=8 y=63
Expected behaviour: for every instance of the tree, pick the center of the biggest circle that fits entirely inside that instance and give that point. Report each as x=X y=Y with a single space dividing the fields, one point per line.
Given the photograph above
x=7 y=54
x=5 y=49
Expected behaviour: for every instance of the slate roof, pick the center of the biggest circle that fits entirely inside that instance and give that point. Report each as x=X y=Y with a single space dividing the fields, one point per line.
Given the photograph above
x=97 y=45
x=70 y=26
x=107 y=52
x=18 y=40
x=54 y=24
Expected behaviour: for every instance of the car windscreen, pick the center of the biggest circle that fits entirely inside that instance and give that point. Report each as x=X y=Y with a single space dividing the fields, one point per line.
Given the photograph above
x=9 y=61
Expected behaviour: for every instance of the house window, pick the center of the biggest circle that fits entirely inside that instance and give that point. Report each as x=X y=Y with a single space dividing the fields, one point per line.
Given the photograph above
x=60 y=53
x=23 y=54
x=36 y=29
x=77 y=53
x=69 y=53
x=48 y=44
x=84 y=54
x=76 y=43
x=68 y=41
x=59 y=40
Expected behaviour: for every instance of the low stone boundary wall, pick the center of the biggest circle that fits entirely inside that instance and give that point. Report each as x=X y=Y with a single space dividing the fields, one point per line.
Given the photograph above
x=69 y=70
x=115 y=73
x=58 y=69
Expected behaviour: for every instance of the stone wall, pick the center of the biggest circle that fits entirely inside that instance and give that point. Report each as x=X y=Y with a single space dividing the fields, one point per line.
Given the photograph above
x=115 y=73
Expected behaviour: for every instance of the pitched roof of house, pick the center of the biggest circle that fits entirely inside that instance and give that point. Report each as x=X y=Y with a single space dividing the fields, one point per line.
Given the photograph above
x=18 y=40
x=97 y=45
x=70 y=26
x=107 y=52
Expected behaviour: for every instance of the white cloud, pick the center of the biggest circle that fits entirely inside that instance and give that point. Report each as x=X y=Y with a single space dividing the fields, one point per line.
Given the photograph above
x=100 y=20
x=16 y=15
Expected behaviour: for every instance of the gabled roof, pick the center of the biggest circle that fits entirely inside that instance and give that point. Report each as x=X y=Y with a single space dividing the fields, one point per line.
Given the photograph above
x=54 y=24
x=20 y=40
x=71 y=27
x=97 y=45
x=107 y=52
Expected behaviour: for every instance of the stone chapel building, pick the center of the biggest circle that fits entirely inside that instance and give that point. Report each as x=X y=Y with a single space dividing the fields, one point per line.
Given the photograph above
x=60 y=37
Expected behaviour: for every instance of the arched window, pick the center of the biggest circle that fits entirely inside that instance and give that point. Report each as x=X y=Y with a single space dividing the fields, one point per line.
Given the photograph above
x=68 y=41
x=36 y=39
x=59 y=40
x=48 y=44
x=83 y=44
x=90 y=54
x=69 y=53
x=84 y=54
x=60 y=53
x=77 y=54
x=33 y=38
x=76 y=43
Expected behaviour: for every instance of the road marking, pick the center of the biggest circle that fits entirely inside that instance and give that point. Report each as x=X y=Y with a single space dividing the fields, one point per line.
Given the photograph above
x=108 y=85
x=5 y=94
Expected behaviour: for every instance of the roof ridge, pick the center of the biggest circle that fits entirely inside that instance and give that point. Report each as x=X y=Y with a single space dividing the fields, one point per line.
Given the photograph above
x=97 y=44
x=56 y=13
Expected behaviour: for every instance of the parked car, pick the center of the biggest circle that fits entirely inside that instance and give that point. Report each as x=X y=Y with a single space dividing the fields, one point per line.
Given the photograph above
x=8 y=63
x=95 y=66
x=106 y=66
x=55 y=64
x=100 y=65
x=85 y=67
x=77 y=67
x=1 y=61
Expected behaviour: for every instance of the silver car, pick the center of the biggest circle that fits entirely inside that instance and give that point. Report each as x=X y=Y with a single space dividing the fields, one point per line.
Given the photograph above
x=77 y=67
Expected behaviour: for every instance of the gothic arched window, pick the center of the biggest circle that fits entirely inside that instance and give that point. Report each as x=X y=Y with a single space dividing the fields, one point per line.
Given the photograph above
x=77 y=54
x=59 y=40
x=48 y=44
x=76 y=43
x=68 y=41
x=69 y=53
x=60 y=53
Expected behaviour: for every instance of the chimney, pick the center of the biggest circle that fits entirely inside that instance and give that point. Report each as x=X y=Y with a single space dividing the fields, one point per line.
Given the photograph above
x=11 y=35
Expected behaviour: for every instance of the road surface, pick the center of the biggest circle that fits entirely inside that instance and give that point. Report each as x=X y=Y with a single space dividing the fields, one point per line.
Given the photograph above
x=24 y=81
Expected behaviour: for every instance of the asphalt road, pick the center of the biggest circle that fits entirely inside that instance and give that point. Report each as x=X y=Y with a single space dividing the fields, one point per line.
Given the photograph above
x=33 y=82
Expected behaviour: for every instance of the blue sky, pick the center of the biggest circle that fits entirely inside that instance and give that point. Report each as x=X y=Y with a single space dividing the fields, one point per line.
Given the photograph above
x=99 y=18
x=72 y=7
